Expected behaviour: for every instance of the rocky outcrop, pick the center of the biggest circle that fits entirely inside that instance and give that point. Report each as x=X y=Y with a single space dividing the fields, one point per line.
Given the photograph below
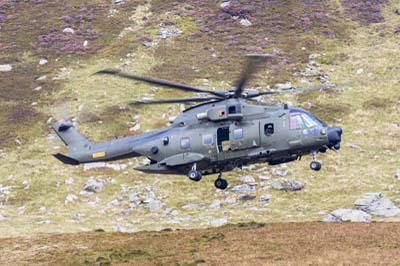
x=377 y=204
x=347 y=215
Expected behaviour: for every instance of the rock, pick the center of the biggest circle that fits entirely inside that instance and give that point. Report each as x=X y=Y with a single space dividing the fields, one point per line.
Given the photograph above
x=245 y=188
x=276 y=185
x=245 y=22
x=287 y=185
x=347 y=215
x=69 y=181
x=68 y=30
x=193 y=206
x=171 y=212
x=225 y=4
x=115 y=167
x=377 y=204
x=246 y=197
x=230 y=200
x=359 y=71
x=265 y=198
x=120 y=229
x=397 y=176
x=115 y=202
x=37 y=88
x=247 y=179
x=216 y=204
x=263 y=177
x=280 y=172
x=134 y=198
x=2 y=218
x=43 y=61
x=94 y=185
x=135 y=128
x=42 y=77
x=218 y=222
x=154 y=205
x=5 y=68
x=169 y=32
x=77 y=216
x=70 y=198
x=85 y=43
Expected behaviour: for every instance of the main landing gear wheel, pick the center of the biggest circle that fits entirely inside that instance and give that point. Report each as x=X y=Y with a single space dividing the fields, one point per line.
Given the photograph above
x=221 y=183
x=194 y=175
x=316 y=166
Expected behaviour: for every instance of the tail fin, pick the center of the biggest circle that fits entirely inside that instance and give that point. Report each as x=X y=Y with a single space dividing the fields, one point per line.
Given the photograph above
x=76 y=143
x=69 y=135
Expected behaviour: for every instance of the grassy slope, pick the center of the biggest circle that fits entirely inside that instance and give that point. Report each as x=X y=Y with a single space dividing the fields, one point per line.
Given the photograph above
x=368 y=121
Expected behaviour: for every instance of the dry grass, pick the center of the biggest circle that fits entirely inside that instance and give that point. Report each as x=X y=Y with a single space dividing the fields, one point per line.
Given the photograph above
x=359 y=108
x=251 y=244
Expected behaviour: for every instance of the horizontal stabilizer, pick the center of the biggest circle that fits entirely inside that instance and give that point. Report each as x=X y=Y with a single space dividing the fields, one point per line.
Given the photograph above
x=65 y=159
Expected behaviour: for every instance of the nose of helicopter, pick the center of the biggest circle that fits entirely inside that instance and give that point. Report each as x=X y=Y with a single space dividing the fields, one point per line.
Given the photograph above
x=335 y=136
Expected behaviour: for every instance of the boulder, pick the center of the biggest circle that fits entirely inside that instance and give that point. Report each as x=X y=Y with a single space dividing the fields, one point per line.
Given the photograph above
x=377 y=204
x=230 y=200
x=5 y=68
x=68 y=30
x=265 y=198
x=287 y=185
x=94 y=185
x=193 y=206
x=247 y=179
x=216 y=204
x=280 y=172
x=347 y=215
x=245 y=22
x=70 y=198
x=245 y=188
x=246 y=197
x=69 y=181
x=43 y=61
x=154 y=205
x=218 y=222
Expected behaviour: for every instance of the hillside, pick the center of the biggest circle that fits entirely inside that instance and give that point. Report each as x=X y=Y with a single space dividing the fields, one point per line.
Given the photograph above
x=54 y=48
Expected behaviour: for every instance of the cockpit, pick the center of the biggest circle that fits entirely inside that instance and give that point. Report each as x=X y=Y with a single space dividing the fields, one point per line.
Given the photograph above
x=300 y=119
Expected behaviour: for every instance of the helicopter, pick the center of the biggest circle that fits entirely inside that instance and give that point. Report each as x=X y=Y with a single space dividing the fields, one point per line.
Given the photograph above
x=226 y=130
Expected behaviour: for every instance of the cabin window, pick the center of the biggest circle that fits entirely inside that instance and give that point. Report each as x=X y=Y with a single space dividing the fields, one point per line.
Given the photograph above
x=207 y=139
x=269 y=129
x=295 y=121
x=238 y=133
x=185 y=143
x=165 y=141
x=234 y=109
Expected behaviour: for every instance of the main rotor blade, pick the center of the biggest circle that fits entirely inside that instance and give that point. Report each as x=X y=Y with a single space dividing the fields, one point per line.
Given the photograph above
x=293 y=90
x=253 y=61
x=161 y=82
x=181 y=100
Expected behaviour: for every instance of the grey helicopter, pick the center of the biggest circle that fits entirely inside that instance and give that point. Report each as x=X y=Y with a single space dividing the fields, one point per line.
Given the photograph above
x=226 y=130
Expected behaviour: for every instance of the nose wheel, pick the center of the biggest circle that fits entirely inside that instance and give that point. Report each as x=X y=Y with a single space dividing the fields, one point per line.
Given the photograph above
x=221 y=183
x=314 y=165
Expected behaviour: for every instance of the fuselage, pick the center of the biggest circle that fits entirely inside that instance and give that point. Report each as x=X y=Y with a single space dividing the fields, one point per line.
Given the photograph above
x=220 y=136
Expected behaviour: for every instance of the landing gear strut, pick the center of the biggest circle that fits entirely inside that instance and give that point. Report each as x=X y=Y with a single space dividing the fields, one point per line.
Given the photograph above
x=314 y=165
x=194 y=175
x=221 y=183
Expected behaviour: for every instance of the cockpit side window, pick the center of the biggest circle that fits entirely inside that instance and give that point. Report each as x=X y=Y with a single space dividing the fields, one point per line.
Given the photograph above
x=308 y=121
